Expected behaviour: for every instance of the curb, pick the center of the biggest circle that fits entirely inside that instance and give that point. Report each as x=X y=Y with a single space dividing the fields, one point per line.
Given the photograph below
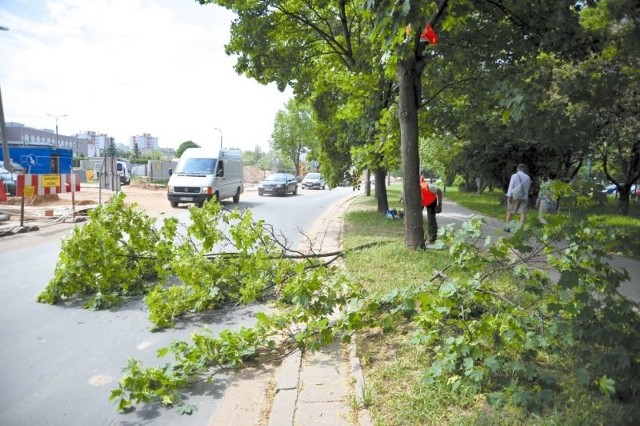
x=312 y=388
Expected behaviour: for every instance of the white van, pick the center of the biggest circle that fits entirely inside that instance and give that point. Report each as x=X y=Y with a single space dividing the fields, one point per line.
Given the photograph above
x=123 y=169
x=202 y=174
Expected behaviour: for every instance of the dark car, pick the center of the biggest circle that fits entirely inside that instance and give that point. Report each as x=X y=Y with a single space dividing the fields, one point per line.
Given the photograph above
x=9 y=181
x=278 y=184
x=314 y=181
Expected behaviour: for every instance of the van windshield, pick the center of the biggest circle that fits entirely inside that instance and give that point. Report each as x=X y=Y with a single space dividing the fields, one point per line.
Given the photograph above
x=198 y=166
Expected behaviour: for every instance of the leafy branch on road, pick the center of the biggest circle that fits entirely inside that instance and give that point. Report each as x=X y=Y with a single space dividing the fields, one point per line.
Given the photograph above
x=223 y=257
x=494 y=325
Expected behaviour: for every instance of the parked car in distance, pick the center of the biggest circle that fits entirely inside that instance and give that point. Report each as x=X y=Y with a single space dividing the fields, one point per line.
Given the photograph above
x=314 y=181
x=612 y=189
x=278 y=184
x=9 y=180
x=17 y=168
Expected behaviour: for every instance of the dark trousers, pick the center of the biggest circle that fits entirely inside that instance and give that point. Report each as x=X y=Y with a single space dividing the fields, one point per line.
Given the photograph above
x=432 y=223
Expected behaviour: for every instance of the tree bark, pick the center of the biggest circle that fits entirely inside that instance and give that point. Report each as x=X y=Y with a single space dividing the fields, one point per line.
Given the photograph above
x=409 y=131
x=381 y=191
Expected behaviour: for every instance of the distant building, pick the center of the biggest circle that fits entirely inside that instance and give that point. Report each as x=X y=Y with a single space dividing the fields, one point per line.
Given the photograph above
x=96 y=142
x=86 y=144
x=146 y=143
x=20 y=135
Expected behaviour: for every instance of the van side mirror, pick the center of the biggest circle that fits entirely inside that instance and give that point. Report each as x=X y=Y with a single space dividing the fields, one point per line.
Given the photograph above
x=170 y=171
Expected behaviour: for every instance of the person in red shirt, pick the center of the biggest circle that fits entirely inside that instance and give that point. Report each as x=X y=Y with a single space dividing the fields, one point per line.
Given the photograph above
x=432 y=202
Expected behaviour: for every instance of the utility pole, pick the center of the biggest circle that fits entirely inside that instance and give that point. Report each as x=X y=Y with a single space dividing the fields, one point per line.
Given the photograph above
x=3 y=131
x=56 y=118
x=220 y=130
x=5 y=143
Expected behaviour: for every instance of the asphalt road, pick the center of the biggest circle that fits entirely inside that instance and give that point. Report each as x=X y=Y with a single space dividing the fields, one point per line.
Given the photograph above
x=60 y=363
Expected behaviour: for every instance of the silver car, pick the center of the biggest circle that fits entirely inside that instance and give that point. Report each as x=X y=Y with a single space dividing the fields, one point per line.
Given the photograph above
x=9 y=180
x=314 y=181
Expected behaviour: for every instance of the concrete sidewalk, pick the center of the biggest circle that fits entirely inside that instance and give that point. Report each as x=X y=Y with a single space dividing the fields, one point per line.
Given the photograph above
x=326 y=386
x=307 y=389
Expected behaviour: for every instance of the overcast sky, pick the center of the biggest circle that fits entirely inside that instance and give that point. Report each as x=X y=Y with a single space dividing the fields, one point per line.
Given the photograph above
x=127 y=67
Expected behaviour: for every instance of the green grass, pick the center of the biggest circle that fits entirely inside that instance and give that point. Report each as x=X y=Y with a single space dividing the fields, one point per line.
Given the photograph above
x=394 y=367
x=492 y=204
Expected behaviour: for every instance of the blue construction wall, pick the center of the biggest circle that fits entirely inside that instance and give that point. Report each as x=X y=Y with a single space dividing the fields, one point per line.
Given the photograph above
x=42 y=159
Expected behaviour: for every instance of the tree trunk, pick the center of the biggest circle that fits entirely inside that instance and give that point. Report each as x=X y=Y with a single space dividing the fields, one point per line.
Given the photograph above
x=381 y=191
x=624 y=195
x=408 y=116
x=367 y=183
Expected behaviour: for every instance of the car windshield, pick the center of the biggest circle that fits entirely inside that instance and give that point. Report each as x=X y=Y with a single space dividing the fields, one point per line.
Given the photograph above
x=277 y=178
x=197 y=165
x=314 y=176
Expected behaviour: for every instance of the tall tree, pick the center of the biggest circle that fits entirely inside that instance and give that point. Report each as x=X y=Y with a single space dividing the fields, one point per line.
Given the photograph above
x=136 y=150
x=293 y=132
x=111 y=150
x=323 y=51
x=609 y=94
x=184 y=146
x=474 y=35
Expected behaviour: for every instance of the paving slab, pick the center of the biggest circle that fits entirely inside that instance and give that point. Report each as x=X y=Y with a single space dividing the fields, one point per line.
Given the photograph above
x=322 y=413
x=287 y=375
x=324 y=376
x=244 y=401
x=283 y=407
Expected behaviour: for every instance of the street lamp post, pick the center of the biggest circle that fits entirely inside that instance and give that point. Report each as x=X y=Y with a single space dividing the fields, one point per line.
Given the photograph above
x=56 y=117
x=3 y=130
x=220 y=130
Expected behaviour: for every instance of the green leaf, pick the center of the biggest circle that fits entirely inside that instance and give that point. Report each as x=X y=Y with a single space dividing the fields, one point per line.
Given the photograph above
x=606 y=386
x=186 y=409
x=495 y=398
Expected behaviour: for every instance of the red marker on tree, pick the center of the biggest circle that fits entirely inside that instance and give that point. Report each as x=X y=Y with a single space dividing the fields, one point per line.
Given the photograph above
x=429 y=35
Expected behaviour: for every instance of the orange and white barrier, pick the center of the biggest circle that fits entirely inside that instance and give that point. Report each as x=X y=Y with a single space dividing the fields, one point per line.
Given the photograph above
x=29 y=185
x=3 y=193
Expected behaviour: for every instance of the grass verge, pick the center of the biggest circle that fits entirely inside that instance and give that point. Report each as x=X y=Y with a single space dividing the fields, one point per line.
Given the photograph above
x=395 y=366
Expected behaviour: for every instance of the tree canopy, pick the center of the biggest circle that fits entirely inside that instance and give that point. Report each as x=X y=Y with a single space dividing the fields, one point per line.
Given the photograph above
x=184 y=146
x=293 y=133
x=552 y=86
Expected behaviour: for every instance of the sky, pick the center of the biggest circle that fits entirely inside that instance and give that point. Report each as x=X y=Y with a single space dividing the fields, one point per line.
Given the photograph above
x=128 y=67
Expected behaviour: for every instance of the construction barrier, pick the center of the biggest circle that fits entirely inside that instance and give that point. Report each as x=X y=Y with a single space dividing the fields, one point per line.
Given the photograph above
x=30 y=185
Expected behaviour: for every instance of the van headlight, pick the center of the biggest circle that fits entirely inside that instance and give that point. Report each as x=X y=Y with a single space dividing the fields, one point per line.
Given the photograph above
x=170 y=189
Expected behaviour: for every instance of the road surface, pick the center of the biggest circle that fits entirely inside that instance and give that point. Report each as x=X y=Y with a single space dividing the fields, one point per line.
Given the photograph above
x=60 y=363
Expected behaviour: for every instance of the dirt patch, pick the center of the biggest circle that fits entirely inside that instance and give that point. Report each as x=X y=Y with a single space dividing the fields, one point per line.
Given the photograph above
x=254 y=174
x=148 y=196
x=38 y=200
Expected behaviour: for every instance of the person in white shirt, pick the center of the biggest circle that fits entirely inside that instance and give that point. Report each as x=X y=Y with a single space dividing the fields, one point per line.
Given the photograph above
x=518 y=195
